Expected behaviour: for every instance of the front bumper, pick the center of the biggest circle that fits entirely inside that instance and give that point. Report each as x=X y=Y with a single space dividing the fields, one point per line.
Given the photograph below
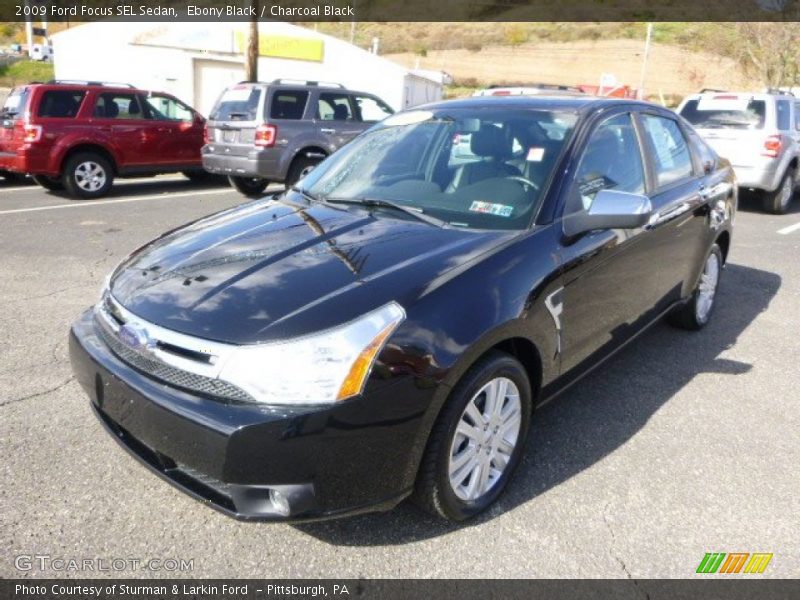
x=351 y=457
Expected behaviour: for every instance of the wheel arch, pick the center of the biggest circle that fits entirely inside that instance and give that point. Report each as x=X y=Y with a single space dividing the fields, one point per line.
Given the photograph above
x=88 y=147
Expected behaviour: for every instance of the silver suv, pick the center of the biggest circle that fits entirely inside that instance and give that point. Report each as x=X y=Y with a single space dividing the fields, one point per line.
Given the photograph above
x=258 y=133
x=758 y=133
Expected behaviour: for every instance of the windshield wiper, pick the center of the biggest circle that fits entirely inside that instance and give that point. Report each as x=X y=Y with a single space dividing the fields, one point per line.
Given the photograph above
x=380 y=203
x=305 y=193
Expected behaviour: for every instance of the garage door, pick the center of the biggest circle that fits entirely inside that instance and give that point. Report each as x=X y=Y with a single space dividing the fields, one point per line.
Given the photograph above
x=211 y=77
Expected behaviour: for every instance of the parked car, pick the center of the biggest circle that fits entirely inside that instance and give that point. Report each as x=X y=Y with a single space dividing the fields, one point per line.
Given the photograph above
x=81 y=135
x=758 y=133
x=387 y=328
x=276 y=132
x=41 y=52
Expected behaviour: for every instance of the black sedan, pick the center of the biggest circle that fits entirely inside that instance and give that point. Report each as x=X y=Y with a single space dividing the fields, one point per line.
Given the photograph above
x=386 y=328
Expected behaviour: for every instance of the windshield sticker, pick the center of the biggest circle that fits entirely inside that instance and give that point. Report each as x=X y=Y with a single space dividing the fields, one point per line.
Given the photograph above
x=499 y=210
x=535 y=155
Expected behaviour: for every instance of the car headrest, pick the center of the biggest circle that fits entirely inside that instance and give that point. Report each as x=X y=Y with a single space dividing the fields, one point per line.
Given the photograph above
x=133 y=107
x=340 y=112
x=112 y=109
x=489 y=141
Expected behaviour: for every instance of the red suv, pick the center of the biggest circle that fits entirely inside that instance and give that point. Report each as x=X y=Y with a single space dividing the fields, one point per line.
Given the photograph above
x=80 y=135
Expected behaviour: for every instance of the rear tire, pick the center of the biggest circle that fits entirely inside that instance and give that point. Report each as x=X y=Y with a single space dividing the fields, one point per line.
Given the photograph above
x=490 y=449
x=49 y=183
x=249 y=186
x=696 y=313
x=301 y=166
x=88 y=175
x=778 y=202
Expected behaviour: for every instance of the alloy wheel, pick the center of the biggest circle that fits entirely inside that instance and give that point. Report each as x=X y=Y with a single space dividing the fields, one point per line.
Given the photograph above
x=90 y=176
x=485 y=438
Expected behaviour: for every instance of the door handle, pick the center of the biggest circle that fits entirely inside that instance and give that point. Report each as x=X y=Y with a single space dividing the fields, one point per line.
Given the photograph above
x=327 y=130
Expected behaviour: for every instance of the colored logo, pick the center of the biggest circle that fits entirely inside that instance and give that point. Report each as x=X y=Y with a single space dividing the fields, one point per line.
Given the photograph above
x=734 y=562
x=134 y=337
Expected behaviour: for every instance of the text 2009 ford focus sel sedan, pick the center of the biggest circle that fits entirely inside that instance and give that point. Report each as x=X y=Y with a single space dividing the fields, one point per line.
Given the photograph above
x=386 y=328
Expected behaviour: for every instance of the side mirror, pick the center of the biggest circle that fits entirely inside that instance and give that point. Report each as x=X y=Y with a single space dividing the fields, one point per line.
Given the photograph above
x=610 y=209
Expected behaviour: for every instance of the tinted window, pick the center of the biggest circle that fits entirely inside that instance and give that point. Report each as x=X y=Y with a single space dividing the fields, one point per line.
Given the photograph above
x=118 y=106
x=238 y=103
x=15 y=103
x=334 y=107
x=61 y=103
x=612 y=160
x=165 y=108
x=784 y=117
x=797 y=116
x=288 y=104
x=711 y=114
x=407 y=159
x=671 y=152
x=372 y=109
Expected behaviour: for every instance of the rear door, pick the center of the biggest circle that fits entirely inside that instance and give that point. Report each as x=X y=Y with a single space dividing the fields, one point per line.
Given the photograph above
x=233 y=121
x=123 y=117
x=732 y=124
x=11 y=133
x=336 y=118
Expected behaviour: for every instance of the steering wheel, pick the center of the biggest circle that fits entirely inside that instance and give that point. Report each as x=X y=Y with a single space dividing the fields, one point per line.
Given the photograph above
x=524 y=181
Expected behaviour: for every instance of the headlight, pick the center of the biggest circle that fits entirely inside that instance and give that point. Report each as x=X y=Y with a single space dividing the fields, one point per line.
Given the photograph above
x=317 y=369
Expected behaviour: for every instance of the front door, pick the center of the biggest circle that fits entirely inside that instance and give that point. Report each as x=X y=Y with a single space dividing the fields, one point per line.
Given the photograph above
x=336 y=118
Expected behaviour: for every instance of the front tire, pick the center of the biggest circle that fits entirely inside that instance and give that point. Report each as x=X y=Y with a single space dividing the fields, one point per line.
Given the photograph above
x=88 y=175
x=301 y=166
x=49 y=183
x=696 y=313
x=477 y=441
x=249 y=186
x=777 y=202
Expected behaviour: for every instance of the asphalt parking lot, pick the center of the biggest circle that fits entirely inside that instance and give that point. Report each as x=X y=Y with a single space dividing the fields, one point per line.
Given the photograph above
x=684 y=443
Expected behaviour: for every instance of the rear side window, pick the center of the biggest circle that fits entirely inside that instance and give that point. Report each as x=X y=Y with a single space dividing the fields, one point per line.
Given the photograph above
x=288 y=104
x=238 y=103
x=15 y=103
x=671 y=152
x=733 y=113
x=783 y=109
x=118 y=106
x=61 y=104
x=334 y=107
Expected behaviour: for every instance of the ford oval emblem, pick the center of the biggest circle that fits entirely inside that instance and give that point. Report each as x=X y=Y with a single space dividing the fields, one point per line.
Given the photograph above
x=134 y=337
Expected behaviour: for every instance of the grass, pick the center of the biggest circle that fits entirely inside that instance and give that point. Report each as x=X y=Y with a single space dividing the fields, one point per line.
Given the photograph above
x=25 y=71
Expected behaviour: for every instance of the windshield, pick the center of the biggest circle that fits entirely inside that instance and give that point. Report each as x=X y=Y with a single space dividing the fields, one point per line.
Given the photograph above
x=736 y=114
x=472 y=168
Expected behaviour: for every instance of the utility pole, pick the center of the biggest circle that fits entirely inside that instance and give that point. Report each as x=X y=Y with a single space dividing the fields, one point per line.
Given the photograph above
x=644 y=60
x=251 y=61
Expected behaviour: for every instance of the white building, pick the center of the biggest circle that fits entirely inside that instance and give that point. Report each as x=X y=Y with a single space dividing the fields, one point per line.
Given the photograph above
x=196 y=61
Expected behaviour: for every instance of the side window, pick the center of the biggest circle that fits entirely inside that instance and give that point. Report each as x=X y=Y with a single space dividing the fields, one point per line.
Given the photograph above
x=611 y=161
x=797 y=116
x=61 y=104
x=164 y=108
x=671 y=152
x=118 y=106
x=334 y=107
x=288 y=104
x=371 y=109
x=784 y=118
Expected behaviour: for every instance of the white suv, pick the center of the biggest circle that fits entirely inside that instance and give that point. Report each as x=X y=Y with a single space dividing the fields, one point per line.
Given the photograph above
x=758 y=132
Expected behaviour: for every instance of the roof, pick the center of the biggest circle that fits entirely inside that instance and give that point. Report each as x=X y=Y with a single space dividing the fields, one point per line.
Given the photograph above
x=543 y=102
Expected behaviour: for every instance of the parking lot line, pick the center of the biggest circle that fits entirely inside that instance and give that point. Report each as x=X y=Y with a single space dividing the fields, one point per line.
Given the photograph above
x=79 y=204
x=789 y=229
x=20 y=188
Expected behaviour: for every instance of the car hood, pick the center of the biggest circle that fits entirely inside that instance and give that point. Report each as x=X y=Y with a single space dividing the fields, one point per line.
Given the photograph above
x=273 y=269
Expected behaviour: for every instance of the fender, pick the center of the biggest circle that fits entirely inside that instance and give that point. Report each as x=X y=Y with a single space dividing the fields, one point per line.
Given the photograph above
x=72 y=140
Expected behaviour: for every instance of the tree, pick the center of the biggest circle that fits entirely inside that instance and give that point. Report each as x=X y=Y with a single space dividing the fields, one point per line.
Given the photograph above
x=769 y=52
x=251 y=62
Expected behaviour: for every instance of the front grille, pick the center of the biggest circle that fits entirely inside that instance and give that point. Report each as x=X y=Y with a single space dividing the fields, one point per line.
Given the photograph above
x=152 y=367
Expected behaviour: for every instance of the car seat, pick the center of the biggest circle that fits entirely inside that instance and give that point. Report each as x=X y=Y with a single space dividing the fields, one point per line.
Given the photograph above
x=493 y=147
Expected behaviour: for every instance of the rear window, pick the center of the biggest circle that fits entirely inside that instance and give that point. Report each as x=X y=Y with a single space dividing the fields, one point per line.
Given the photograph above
x=15 y=103
x=60 y=104
x=238 y=103
x=725 y=113
x=288 y=104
